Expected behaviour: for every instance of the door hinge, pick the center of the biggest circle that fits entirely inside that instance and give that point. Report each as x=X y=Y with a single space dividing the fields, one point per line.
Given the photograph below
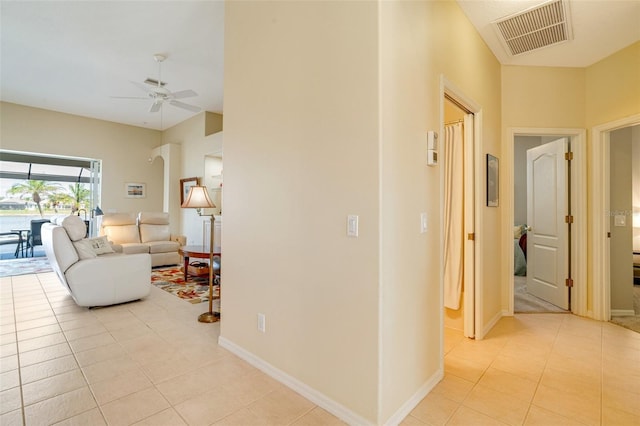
x=568 y=156
x=608 y=234
x=569 y=282
x=568 y=219
x=471 y=236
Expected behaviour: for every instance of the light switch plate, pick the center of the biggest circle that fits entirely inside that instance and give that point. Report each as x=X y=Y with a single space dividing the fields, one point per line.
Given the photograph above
x=423 y=223
x=620 y=220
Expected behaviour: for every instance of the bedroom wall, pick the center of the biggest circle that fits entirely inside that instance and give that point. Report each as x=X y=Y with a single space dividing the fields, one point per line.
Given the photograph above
x=621 y=242
x=522 y=144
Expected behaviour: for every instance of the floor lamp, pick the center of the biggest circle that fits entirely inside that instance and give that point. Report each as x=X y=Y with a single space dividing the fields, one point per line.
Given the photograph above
x=198 y=198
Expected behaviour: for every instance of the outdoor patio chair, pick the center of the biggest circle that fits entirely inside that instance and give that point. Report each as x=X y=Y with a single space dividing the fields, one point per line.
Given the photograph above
x=35 y=237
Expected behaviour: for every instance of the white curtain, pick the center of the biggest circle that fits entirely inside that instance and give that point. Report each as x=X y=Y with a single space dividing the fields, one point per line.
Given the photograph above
x=453 y=214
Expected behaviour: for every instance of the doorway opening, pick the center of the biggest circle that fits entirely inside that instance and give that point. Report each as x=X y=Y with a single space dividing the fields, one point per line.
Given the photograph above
x=463 y=114
x=608 y=299
x=570 y=223
x=541 y=256
x=624 y=226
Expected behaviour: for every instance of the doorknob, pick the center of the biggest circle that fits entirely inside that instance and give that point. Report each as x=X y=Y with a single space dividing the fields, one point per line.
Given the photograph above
x=527 y=228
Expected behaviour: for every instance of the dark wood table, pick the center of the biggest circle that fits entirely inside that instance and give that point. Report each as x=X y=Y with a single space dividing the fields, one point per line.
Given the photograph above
x=198 y=252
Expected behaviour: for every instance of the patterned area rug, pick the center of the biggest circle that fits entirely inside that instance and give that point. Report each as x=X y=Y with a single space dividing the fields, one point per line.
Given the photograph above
x=171 y=279
x=31 y=265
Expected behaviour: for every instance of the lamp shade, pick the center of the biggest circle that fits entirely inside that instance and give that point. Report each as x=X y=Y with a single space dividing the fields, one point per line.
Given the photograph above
x=198 y=198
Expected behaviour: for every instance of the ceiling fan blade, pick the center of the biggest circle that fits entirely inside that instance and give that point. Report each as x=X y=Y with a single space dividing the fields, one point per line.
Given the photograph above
x=182 y=105
x=183 y=94
x=155 y=107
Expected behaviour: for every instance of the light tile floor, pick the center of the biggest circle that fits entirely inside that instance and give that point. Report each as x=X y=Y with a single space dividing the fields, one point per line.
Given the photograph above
x=145 y=363
x=538 y=369
x=152 y=363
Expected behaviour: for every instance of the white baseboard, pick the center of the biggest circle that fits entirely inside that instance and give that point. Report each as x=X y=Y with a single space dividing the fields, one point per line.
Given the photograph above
x=408 y=406
x=296 y=385
x=622 y=312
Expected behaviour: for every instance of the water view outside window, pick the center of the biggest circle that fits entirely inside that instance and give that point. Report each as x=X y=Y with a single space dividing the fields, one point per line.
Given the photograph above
x=24 y=200
x=41 y=186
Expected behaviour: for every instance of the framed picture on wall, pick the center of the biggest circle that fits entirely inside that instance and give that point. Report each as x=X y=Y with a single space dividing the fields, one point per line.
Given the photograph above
x=185 y=186
x=135 y=190
x=493 y=175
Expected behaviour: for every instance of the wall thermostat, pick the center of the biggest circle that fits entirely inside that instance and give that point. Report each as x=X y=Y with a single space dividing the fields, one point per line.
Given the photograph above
x=432 y=148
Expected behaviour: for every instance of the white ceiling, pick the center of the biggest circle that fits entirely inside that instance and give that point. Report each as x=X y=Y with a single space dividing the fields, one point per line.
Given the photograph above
x=600 y=28
x=73 y=56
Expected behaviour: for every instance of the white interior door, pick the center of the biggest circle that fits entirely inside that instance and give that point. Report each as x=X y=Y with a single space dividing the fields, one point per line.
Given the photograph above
x=546 y=211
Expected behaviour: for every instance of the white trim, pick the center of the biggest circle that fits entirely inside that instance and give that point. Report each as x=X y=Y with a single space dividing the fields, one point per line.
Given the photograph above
x=412 y=402
x=294 y=384
x=623 y=312
x=579 y=210
x=600 y=262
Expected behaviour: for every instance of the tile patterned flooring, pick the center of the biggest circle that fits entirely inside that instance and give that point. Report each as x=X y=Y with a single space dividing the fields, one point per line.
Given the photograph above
x=151 y=363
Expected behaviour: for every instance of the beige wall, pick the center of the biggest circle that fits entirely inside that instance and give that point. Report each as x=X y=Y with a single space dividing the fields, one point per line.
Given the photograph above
x=420 y=42
x=543 y=97
x=124 y=151
x=613 y=87
x=196 y=136
x=301 y=153
x=42 y=131
x=621 y=246
x=325 y=118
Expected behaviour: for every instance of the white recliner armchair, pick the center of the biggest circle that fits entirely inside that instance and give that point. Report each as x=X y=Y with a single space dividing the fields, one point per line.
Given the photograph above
x=92 y=272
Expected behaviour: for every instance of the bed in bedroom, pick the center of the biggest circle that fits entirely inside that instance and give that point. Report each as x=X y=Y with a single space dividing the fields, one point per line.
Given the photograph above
x=520 y=250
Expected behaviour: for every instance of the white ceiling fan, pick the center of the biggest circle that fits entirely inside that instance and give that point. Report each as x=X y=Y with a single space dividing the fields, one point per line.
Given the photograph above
x=159 y=94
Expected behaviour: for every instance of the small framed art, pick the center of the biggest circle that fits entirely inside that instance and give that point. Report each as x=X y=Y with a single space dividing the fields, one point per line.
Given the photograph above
x=135 y=190
x=185 y=186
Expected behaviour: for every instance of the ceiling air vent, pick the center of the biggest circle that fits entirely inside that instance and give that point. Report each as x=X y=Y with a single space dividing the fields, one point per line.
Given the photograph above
x=535 y=28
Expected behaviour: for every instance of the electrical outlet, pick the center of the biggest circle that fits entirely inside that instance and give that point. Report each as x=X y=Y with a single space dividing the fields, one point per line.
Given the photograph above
x=261 y=323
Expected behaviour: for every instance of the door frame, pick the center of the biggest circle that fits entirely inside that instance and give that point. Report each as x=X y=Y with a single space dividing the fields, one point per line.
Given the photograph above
x=472 y=300
x=600 y=206
x=578 y=139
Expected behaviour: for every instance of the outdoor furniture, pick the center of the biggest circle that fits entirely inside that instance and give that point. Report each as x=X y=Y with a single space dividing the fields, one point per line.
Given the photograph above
x=13 y=237
x=35 y=237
